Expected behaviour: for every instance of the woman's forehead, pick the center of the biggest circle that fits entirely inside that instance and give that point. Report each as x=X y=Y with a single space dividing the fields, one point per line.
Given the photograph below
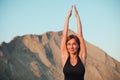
x=72 y=40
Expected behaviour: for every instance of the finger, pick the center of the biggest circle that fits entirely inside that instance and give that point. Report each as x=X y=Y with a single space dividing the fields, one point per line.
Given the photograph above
x=75 y=8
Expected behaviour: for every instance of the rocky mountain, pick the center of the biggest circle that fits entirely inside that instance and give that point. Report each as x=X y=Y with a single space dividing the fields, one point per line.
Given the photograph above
x=37 y=57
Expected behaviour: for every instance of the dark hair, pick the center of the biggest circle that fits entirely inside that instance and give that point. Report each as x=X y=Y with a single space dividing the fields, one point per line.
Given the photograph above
x=72 y=36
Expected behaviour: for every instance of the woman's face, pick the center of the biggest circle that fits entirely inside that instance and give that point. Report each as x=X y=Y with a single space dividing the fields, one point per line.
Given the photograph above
x=72 y=46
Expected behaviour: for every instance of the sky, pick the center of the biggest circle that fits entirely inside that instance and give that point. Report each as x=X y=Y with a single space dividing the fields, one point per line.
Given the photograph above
x=100 y=20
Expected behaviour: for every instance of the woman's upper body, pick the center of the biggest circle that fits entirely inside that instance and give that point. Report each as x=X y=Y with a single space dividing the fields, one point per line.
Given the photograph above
x=70 y=47
x=73 y=50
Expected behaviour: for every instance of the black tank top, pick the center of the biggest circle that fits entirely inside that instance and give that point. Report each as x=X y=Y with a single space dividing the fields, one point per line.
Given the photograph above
x=73 y=72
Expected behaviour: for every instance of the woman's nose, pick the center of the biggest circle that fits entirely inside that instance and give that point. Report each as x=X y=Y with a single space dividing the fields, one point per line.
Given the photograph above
x=71 y=46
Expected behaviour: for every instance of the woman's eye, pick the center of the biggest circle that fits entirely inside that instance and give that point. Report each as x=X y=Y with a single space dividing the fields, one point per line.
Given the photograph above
x=68 y=43
x=74 y=44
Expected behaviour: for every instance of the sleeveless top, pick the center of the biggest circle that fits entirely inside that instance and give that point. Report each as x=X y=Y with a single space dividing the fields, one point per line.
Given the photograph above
x=75 y=72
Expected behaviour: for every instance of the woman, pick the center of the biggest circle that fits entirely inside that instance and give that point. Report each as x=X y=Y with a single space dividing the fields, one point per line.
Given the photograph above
x=73 y=51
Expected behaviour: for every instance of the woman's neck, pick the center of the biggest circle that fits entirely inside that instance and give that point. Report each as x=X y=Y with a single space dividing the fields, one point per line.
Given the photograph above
x=73 y=56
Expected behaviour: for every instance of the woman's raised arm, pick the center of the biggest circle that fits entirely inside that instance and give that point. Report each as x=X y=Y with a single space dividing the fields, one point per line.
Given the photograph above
x=83 y=52
x=65 y=32
x=64 y=53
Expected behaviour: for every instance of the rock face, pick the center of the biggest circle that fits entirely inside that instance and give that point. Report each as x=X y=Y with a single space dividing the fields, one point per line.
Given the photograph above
x=37 y=57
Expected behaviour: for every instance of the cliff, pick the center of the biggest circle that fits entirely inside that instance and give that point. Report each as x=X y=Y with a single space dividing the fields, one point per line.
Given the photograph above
x=37 y=57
